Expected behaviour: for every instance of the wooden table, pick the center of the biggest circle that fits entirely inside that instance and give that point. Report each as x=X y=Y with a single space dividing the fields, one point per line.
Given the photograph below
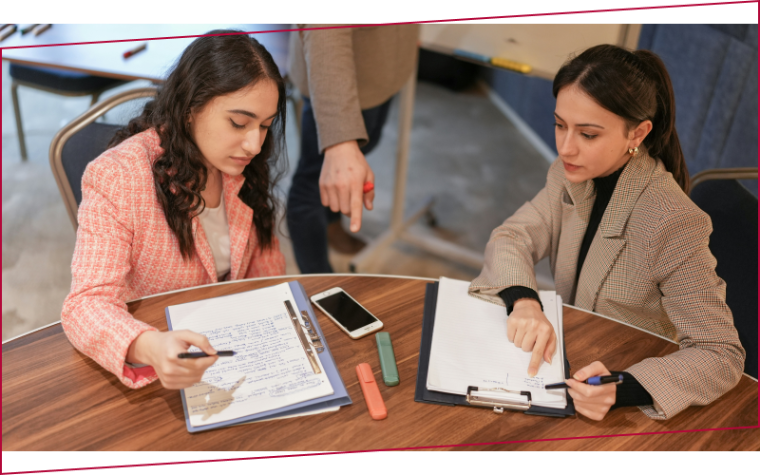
x=55 y=398
x=105 y=59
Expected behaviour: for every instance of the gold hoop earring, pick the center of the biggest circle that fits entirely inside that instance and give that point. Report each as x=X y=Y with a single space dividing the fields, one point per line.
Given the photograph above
x=633 y=151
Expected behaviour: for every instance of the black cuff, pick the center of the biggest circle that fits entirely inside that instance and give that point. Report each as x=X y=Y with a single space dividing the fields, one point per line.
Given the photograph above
x=512 y=294
x=630 y=392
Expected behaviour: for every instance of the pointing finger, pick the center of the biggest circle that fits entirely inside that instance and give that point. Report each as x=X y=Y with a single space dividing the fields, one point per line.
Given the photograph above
x=356 y=209
x=535 y=357
x=550 y=348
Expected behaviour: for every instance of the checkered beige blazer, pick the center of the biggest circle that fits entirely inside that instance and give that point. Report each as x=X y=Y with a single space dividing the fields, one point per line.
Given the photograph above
x=126 y=250
x=347 y=70
x=648 y=265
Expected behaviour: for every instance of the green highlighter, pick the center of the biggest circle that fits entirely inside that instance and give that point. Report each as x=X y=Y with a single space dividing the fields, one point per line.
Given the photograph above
x=387 y=359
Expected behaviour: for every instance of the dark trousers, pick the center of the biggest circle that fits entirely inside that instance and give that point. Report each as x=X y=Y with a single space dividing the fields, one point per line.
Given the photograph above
x=307 y=218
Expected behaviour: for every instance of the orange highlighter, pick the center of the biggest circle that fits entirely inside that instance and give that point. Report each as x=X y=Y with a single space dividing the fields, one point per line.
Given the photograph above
x=371 y=392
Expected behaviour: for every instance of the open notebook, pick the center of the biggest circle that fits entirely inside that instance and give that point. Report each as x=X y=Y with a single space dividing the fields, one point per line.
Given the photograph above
x=282 y=366
x=470 y=349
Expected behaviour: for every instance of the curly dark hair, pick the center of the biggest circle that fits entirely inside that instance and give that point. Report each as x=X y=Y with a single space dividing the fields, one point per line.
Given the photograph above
x=221 y=63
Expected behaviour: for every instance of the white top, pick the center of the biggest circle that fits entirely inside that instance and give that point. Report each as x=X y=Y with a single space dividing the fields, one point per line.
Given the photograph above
x=214 y=222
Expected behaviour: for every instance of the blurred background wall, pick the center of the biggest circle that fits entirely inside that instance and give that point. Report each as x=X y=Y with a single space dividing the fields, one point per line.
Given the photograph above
x=714 y=74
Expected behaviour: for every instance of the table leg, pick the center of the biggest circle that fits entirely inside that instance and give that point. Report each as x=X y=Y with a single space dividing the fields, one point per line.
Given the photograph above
x=19 y=125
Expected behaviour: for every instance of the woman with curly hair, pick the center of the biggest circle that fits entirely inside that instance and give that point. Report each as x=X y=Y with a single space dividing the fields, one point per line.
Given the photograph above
x=183 y=197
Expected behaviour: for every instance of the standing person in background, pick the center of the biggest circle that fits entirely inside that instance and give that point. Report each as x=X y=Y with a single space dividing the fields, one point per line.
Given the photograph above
x=347 y=77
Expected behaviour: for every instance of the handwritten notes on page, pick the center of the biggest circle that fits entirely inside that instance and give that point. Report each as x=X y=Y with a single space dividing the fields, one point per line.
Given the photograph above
x=270 y=369
x=470 y=347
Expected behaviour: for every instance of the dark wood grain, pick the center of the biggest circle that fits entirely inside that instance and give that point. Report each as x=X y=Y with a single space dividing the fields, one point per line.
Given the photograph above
x=55 y=398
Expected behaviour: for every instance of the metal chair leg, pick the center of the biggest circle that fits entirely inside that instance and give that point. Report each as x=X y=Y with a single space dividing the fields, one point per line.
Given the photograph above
x=19 y=125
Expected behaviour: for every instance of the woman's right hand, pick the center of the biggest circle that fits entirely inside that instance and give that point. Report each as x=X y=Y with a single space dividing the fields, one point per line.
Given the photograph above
x=529 y=329
x=160 y=350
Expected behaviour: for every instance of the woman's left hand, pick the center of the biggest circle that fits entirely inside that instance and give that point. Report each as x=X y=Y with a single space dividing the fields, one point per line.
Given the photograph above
x=592 y=401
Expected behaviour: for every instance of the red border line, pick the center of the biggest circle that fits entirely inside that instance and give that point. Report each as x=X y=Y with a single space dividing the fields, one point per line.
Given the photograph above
x=270 y=457
x=153 y=39
x=611 y=10
x=496 y=17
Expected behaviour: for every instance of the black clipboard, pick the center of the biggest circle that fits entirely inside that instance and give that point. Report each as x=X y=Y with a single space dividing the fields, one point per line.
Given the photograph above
x=424 y=395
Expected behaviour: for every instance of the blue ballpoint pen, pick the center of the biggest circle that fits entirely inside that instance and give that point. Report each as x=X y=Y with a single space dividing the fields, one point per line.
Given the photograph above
x=593 y=381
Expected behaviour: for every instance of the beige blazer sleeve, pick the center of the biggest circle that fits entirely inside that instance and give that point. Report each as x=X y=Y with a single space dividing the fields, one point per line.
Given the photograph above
x=332 y=86
x=710 y=359
x=345 y=70
x=514 y=249
x=528 y=236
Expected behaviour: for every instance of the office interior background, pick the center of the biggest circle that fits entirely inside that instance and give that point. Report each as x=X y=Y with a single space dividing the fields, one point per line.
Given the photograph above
x=469 y=151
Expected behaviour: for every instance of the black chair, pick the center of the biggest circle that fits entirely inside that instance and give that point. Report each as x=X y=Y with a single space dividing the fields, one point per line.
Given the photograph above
x=80 y=142
x=733 y=210
x=56 y=81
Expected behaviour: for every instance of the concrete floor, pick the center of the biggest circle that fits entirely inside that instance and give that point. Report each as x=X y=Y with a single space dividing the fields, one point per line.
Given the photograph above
x=463 y=152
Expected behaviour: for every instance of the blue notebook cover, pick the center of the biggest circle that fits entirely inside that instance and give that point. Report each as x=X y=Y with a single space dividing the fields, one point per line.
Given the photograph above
x=339 y=397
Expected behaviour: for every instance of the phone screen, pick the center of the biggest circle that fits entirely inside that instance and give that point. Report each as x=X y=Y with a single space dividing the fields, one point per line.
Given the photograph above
x=345 y=310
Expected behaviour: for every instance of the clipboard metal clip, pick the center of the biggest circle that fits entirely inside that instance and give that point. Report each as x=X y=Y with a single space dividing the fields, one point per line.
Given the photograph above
x=301 y=332
x=495 y=401
x=316 y=342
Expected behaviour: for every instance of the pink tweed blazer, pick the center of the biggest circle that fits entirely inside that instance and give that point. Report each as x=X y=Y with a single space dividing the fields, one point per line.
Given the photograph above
x=125 y=250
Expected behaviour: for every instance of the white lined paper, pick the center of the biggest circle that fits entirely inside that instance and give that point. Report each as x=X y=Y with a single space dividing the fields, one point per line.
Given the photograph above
x=270 y=369
x=470 y=347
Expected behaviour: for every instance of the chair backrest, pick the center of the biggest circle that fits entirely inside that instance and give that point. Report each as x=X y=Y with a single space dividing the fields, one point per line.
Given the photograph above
x=733 y=210
x=81 y=141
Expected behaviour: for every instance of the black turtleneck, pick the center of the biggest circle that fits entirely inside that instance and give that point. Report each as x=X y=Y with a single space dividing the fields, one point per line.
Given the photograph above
x=604 y=187
x=630 y=392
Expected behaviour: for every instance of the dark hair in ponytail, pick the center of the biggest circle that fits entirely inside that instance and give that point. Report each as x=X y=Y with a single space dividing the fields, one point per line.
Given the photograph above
x=211 y=66
x=635 y=86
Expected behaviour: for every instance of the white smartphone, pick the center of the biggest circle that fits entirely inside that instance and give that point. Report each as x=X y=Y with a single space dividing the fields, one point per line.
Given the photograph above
x=346 y=312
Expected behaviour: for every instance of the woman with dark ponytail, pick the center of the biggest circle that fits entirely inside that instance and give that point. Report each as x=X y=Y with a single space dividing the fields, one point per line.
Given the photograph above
x=183 y=197
x=623 y=240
